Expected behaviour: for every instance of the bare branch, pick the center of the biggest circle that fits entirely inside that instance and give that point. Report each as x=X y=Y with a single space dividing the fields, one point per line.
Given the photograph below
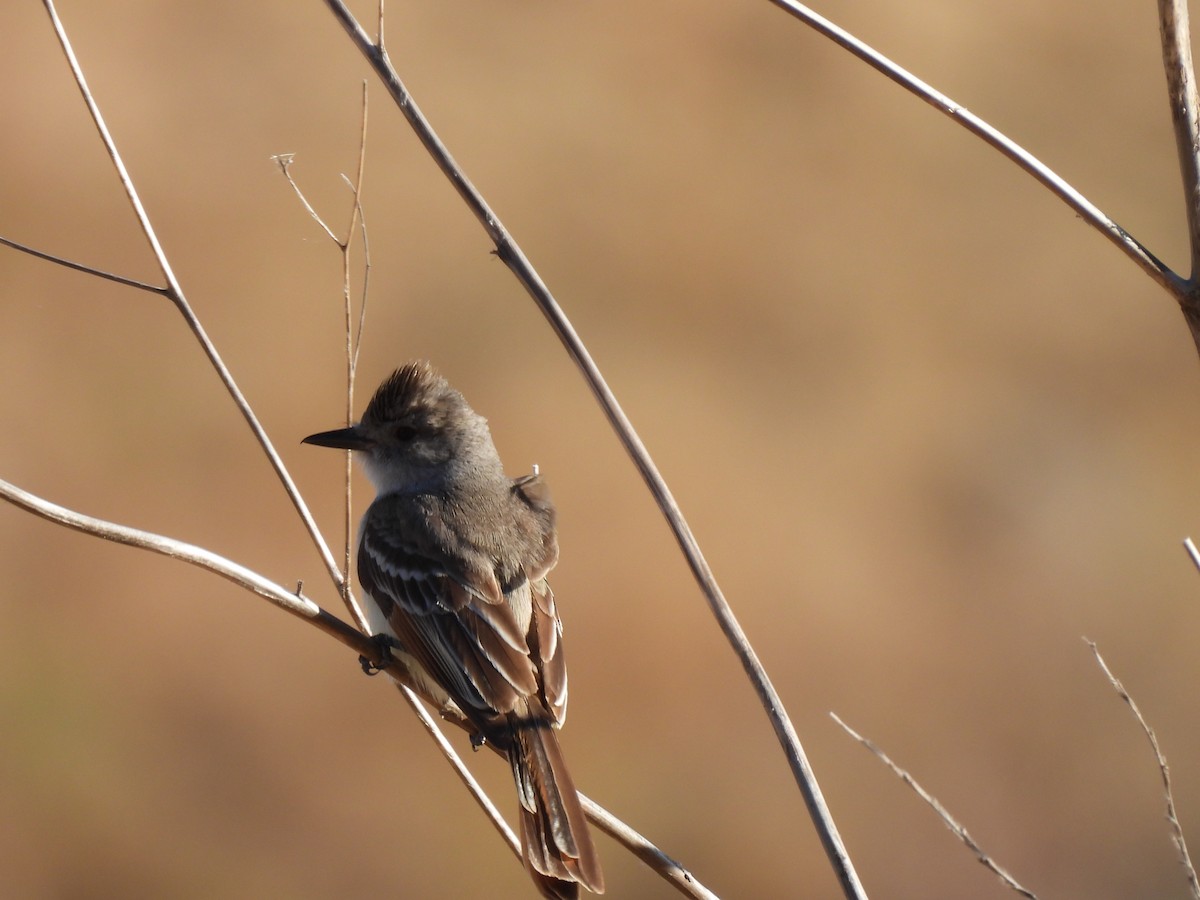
x=513 y=257
x=464 y=774
x=351 y=348
x=1185 y=111
x=360 y=217
x=950 y=822
x=1172 y=819
x=679 y=877
x=1185 y=118
x=1090 y=213
x=293 y=602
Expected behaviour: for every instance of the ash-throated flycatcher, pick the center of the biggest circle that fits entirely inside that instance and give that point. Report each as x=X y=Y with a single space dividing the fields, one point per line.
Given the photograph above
x=453 y=557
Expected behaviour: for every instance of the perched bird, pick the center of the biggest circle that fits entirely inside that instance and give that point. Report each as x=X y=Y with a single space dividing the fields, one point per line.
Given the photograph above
x=452 y=559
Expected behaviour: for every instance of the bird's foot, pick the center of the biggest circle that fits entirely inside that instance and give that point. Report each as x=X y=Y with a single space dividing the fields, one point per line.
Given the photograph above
x=386 y=643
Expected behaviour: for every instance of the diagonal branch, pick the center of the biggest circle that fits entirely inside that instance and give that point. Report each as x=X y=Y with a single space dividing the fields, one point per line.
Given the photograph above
x=679 y=877
x=1185 y=858
x=1086 y=210
x=948 y=820
x=512 y=256
x=81 y=267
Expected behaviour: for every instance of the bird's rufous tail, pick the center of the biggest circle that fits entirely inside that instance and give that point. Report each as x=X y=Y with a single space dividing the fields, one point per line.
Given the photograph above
x=558 y=847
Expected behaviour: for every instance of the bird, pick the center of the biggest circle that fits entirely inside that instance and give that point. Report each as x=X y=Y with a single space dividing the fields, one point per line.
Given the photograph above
x=453 y=558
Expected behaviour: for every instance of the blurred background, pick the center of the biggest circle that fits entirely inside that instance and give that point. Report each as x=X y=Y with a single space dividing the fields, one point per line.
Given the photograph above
x=930 y=429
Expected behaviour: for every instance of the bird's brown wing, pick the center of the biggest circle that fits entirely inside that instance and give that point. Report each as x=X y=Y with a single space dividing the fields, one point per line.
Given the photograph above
x=453 y=621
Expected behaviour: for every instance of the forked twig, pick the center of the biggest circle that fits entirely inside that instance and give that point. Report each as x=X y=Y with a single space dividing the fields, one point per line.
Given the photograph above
x=1164 y=773
x=513 y=257
x=353 y=339
x=959 y=831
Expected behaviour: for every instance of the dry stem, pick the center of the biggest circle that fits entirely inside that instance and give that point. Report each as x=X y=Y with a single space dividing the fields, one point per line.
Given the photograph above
x=1164 y=773
x=950 y=822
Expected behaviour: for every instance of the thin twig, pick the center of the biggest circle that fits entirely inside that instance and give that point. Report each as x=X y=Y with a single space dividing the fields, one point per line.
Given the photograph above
x=464 y=774
x=1172 y=819
x=80 y=267
x=293 y=602
x=285 y=161
x=513 y=257
x=351 y=350
x=366 y=283
x=959 y=831
x=174 y=292
x=1088 y=211
x=679 y=877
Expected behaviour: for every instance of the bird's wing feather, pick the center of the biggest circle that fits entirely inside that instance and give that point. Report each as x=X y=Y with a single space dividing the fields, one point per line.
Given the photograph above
x=443 y=617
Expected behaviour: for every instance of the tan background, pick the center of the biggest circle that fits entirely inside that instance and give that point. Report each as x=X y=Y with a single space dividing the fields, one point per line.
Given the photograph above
x=930 y=429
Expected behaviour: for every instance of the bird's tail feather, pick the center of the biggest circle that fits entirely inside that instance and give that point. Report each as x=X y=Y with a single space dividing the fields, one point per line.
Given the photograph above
x=554 y=833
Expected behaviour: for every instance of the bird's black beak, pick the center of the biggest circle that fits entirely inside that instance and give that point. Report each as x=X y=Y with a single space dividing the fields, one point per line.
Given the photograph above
x=341 y=438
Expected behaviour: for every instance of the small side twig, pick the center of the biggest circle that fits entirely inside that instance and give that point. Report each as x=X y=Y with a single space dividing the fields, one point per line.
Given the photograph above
x=959 y=831
x=81 y=267
x=1172 y=819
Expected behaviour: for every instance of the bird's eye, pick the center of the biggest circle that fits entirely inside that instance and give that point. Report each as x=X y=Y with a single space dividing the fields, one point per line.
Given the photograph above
x=405 y=432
